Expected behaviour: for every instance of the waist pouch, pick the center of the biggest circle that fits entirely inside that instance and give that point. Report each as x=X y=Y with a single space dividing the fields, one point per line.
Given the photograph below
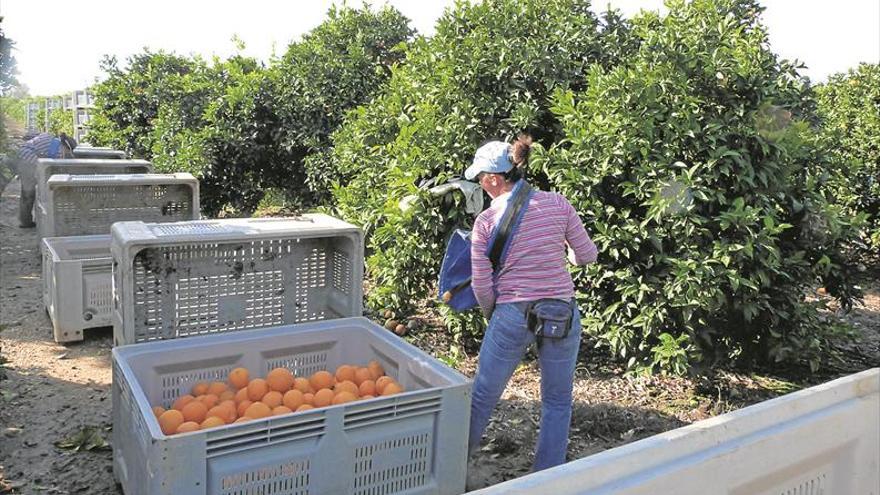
x=550 y=318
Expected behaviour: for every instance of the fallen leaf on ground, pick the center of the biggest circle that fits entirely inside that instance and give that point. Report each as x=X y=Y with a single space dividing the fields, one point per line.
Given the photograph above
x=88 y=438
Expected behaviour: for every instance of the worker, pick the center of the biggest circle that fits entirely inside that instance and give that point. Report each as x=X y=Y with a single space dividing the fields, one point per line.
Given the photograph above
x=530 y=300
x=44 y=145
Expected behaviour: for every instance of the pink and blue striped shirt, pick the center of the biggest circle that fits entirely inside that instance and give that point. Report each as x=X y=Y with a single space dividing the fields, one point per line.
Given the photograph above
x=536 y=262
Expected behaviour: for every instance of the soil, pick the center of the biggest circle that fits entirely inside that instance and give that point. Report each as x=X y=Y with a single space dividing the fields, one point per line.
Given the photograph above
x=53 y=391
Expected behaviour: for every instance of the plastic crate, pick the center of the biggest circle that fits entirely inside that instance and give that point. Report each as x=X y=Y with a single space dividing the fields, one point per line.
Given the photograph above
x=77 y=284
x=89 y=204
x=106 y=153
x=412 y=443
x=213 y=276
x=47 y=167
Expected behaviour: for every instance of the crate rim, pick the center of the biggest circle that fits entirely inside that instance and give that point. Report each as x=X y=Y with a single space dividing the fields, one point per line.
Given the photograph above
x=121 y=354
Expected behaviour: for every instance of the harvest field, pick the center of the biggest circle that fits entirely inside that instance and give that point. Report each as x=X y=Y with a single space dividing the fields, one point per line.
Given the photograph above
x=735 y=205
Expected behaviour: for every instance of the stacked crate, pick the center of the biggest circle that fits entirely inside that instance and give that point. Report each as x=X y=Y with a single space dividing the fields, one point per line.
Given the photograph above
x=78 y=213
x=194 y=300
x=77 y=202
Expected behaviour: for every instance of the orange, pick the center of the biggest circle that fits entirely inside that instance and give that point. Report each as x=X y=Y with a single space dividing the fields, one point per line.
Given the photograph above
x=258 y=410
x=347 y=386
x=293 y=399
x=221 y=412
x=368 y=387
x=194 y=411
x=367 y=396
x=182 y=401
x=227 y=395
x=304 y=407
x=241 y=395
x=239 y=377
x=209 y=400
x=188 y=426
x=229 y=404
x=343 y=397
x=158 y=410
x=321 y=379
x=272 y=399
x=375 y=369
x=170 y=421
x=392 y=388
x=257 y=388
x=278 y=411
x=382 y=381
x=309 y=399
x=345 y=372
x=280 y=380
x=303 y=385
x=217 y=388
x=323 y=397
x=242 y=407
x=362 y=375
x=212 y=422
x=200 y=389
x=243 y=419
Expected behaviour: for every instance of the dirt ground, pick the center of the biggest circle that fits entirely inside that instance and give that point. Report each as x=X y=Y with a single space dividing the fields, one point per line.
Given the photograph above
x=52 y=391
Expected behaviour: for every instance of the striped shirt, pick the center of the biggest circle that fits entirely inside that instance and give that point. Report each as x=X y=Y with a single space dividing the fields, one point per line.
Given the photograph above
x=536 y=265
x=38 y=147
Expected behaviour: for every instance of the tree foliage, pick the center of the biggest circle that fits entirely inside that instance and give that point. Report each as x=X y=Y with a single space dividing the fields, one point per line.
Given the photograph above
x=488 y=72
x=849 y=106
x=694 y=167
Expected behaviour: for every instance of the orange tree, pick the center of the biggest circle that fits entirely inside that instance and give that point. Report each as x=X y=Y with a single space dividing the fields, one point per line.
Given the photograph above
x=488 y=72
x=694 y=165
x=849 y=106
x=685 y=145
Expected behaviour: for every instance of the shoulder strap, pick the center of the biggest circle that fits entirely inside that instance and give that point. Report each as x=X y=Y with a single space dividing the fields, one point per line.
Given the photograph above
x=506 y=224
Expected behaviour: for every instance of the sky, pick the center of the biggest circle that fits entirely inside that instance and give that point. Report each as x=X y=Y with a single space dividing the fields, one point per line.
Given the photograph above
x=59 y=45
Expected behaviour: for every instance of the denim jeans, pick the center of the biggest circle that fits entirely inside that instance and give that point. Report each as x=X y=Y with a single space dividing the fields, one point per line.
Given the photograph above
x=504 y=345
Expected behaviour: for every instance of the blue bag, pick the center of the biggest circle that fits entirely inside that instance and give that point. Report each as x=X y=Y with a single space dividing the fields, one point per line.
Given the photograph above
x=54 y=150
x=455 y=272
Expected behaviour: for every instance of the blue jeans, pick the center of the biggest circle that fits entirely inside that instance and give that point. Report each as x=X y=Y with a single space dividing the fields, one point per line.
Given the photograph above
x=504 y=345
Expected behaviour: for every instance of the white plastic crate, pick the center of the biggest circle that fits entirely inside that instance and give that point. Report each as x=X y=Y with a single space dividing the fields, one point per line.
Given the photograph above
x=213 y=276
x=77 y=284
x=93 y=152
x=89 y=204
x=413 y=443
x=47 y=167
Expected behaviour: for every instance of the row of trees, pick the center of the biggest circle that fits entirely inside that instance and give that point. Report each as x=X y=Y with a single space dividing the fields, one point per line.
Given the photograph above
x=719 y=185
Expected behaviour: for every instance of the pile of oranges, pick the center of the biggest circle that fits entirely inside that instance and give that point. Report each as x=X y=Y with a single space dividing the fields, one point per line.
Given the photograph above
x=243 y=399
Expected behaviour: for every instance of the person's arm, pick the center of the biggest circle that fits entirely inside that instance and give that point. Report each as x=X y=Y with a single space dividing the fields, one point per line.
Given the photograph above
x=581 y=249
x=481 y=267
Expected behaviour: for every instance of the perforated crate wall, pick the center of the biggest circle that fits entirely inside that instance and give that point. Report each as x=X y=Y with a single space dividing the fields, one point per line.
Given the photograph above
x=90 y=204
x=47 y=167
x=413 y=443
x=213 y=276
x=77 y=284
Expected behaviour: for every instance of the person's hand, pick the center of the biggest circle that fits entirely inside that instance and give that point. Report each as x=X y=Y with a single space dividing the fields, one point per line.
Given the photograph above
x=571 y=256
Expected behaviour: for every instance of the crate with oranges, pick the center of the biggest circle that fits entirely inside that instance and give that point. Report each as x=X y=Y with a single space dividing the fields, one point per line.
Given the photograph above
x=334 y=406
x=242 y=398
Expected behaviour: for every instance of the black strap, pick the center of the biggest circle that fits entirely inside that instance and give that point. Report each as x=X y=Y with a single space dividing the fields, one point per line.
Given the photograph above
x=504 y=226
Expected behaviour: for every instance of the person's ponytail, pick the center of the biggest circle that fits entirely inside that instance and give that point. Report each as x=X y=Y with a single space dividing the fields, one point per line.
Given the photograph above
x=519 y=156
